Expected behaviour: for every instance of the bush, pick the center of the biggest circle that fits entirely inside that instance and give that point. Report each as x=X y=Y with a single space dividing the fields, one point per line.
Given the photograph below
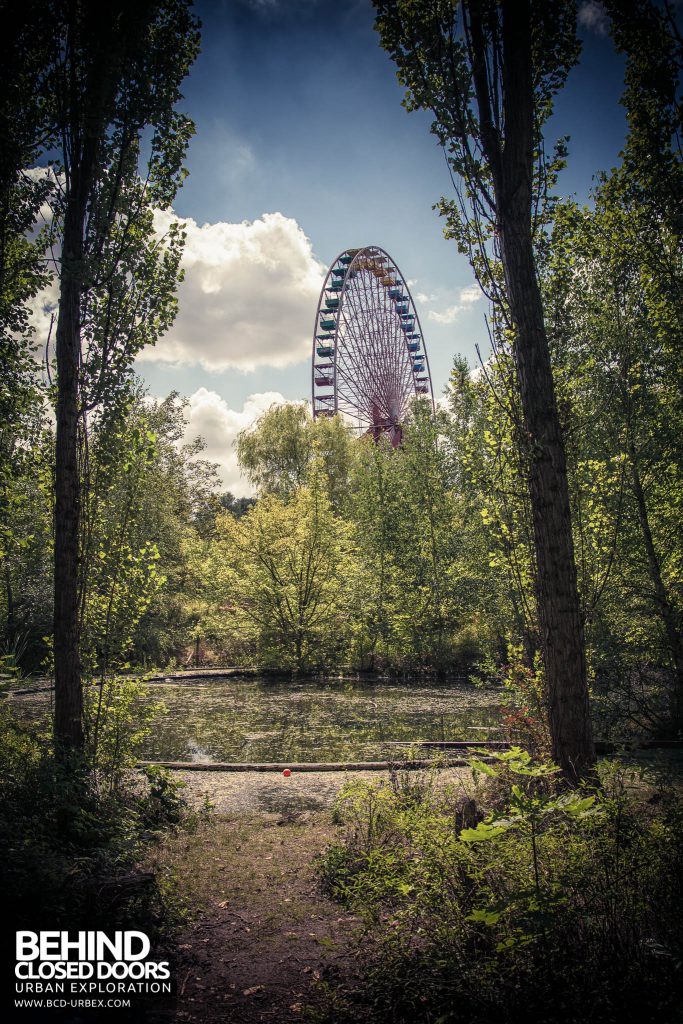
x=70 y=845
x=555 y=907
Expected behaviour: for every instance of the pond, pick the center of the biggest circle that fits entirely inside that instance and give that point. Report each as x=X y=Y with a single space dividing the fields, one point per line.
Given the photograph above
x=262 y=719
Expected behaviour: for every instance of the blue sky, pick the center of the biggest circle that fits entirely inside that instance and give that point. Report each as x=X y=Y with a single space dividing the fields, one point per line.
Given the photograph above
x=299 y=114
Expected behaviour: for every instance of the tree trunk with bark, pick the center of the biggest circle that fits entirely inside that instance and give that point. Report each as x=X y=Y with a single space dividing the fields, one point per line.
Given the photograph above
x=666 y=609
x=562 y=635
x=68 y=685
x=86 y=116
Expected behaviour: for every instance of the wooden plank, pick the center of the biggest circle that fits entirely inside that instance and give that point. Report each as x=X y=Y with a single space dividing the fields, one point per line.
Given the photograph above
x=280 y=766
x=466 y=744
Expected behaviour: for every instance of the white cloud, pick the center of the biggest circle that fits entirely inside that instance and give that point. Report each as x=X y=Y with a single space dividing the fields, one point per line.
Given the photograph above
x=467 y=297
x=43 y=316
x=422 y=297
x=210 y=417
x=447 y=317
x=593 y=16
x=248 y=298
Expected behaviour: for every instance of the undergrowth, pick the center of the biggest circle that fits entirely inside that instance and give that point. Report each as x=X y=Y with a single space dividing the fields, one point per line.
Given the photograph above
x=519 y=902
x=72 y=843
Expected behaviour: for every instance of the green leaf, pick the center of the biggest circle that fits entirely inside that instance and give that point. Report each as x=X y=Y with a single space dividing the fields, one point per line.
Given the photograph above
x=480 y=766
x=482 y=916
x=482 y=833
x=577 y=806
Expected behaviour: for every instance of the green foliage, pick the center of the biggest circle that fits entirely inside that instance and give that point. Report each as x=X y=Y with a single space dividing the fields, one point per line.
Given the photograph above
x=386 y=537
x=614 y=317
x=414 y=593
x=489 y=467
x=118 y=716
x=119 y=73
x=432 y=47
x=549 y=906
x=281 y=570
x=164 y=803
x=285 y=444
x=153 y=503
x=150 y=511
x=71 y=844
x=26 y=510
x=524 y=707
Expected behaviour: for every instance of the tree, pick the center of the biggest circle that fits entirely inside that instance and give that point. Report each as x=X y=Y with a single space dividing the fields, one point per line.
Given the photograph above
x=426 y=542
x=613 y=282
x=626 y=421
x=374 y=517
x=649 y=37
x=26 y=546
x=489 y=77
x=418 y=598
x=24 y=48
x=115 y=73
x=488 y=478
x=278 y=575
x=277 y=452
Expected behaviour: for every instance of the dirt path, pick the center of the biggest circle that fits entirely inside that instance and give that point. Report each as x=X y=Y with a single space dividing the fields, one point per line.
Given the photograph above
x=260 y=934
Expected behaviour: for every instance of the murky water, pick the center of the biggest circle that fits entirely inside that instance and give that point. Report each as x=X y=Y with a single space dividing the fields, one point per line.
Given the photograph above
x=333 y=720
x=260 y=719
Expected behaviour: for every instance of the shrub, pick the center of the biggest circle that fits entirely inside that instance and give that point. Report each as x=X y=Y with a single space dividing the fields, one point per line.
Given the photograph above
x=556 y=907
x=70 y=843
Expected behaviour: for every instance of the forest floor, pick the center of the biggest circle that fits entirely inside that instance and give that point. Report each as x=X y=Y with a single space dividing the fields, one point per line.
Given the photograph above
x=259 y=935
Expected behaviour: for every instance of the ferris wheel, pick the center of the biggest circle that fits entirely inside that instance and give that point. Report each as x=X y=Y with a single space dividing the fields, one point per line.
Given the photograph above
x=369 y=356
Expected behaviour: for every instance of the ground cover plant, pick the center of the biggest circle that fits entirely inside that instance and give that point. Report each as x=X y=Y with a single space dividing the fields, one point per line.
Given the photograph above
x=518 y=902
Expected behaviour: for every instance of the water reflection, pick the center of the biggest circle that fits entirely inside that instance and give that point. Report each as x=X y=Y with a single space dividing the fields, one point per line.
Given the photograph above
x=257 y=719
x=260 y=719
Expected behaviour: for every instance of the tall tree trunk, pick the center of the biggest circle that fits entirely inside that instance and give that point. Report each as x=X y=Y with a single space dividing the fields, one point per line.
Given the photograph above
x=559 y=609
x=561 y=623
x=87 y=114
x=68 y=684
x=11 y=622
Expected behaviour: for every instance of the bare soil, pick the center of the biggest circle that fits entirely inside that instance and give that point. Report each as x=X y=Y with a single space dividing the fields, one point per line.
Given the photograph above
x=259 y=934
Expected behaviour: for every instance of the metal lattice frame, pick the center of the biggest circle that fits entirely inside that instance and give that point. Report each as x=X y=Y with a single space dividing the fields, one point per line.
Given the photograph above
x=369 y=356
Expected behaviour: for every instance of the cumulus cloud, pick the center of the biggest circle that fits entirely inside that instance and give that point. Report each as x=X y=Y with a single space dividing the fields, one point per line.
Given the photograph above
x=447 y=317
x=593 y=16
x=210 y=417
x=248 y=298
x=43 y=316
x=467 y=297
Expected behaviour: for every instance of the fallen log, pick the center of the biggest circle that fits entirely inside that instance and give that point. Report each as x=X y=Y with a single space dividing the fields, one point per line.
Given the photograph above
x=293 y=766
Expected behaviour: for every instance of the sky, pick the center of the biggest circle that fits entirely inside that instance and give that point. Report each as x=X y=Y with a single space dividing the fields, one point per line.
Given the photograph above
x=303 y=150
